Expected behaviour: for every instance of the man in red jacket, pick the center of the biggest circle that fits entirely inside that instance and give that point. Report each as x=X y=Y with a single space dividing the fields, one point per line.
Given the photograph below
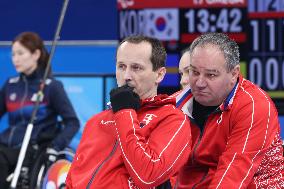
x=143 y=139
x=234 y=123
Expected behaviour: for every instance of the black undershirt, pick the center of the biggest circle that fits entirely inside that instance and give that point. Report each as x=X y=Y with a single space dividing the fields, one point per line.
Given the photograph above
x=200 y=113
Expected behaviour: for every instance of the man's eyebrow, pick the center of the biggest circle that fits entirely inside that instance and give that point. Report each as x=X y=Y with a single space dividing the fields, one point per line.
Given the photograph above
x=212 y=71
x=207 y=70
x=191 y=66
x=184 y=68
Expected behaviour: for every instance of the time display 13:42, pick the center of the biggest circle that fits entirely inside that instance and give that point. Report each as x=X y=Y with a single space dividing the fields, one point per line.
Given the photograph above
x=215 y=20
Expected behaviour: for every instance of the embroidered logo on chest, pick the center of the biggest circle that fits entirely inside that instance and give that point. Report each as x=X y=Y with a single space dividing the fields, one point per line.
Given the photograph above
x=13 y=96
x=35 y=96
x=108 y=122
x=147 y=119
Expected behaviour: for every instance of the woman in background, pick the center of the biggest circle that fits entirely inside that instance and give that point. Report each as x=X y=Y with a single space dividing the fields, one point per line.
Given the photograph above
x=18 y=97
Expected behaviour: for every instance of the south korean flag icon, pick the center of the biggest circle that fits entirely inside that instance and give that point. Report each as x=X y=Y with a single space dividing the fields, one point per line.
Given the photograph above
x=162 y=24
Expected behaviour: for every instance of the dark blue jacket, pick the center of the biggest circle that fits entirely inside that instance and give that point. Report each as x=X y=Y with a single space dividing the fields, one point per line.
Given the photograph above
x=18 y=96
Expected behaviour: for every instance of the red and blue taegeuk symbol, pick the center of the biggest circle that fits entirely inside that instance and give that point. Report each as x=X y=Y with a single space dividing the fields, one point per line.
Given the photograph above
x=160 y=23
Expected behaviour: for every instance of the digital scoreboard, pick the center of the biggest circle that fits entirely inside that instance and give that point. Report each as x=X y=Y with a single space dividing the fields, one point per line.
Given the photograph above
x=265 y=63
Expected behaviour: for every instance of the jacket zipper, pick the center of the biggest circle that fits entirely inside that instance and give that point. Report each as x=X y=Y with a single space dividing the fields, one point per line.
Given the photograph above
x=24 y=97
x=203 y=178
x=199 y=140
x=201 y=132
x=101 y=165
x=10 y=136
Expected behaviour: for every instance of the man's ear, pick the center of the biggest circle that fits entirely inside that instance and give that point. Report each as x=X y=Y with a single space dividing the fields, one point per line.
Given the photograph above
x=161 y=72
x=235 y=73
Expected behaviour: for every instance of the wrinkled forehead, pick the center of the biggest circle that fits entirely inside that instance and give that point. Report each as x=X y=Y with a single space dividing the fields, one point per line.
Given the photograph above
x=207 y=57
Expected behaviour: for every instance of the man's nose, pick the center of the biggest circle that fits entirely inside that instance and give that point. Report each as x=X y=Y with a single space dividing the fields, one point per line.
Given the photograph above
x=201 y=81
x=184 y=80
x=127 y=74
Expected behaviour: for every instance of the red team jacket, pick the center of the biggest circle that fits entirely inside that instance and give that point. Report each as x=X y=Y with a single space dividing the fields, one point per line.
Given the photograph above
x=131 y=149
x=239 y=146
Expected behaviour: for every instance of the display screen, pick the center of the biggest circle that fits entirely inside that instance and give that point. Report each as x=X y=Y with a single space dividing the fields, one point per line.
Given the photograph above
x=266 y=47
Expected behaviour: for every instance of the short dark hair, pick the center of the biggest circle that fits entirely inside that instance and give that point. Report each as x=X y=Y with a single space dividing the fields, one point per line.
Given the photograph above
x=227 y=46
x=158 y=55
